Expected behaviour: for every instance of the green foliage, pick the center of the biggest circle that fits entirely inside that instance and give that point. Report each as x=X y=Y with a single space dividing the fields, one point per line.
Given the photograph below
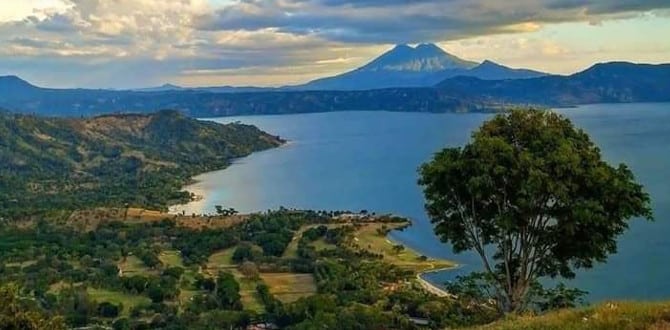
x=109 y=310
x=533 y=197
x=244 y=252
x=228 y=291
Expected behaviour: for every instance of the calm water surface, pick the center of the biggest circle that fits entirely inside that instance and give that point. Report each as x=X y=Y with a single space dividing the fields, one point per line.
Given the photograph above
x=368 y=160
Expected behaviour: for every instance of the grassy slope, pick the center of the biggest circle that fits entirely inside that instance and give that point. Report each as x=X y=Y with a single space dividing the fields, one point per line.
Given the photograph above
x=616 y=315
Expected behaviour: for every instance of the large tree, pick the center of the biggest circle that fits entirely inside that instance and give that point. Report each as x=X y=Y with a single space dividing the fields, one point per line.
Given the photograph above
x=533 y=197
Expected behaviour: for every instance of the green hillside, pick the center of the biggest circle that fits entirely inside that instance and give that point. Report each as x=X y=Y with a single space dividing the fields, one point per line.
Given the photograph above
x=143 y=160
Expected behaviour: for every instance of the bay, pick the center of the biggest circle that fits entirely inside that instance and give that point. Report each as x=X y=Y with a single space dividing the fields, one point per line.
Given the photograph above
x=368 y=160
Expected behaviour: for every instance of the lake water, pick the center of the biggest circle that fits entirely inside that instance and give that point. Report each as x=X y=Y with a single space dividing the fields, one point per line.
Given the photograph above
x=368 y=160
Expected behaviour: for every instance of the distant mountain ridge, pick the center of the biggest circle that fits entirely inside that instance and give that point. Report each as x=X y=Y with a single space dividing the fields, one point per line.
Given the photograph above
x=616 y=82
x=212 y=89
x=421 y=66
x=16 y=86
x=161 y=88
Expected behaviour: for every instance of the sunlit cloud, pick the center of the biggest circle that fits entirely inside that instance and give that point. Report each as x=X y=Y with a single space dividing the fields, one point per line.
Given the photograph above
x=132 y=43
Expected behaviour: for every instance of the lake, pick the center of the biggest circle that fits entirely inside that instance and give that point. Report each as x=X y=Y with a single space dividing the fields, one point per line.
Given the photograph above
x=369 y=160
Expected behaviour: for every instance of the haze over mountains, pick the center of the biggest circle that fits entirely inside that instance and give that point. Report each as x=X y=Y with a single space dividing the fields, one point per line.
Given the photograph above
x=415 y=79
x=403 y=66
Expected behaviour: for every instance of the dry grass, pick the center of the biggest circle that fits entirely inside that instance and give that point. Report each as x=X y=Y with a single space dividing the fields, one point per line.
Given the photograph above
x=87 y=220
x=289 y=287
x=606 y=316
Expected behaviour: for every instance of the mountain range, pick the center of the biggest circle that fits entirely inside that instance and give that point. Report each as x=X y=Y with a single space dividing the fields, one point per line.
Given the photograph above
x=419 y=79
x=613 y=82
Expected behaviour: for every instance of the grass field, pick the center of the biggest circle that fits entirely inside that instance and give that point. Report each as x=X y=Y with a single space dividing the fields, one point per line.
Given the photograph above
x=134 y=266
x=289 y=287
x=222 y=260
x=368 y=238
x=320 y=245
x=616 y=315
x=292 y=249
x=171 y=258
x=248 y=292
x=129 y=301
x=186 y=295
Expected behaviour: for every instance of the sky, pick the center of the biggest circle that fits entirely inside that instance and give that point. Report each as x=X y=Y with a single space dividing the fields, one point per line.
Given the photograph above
x=140 y=43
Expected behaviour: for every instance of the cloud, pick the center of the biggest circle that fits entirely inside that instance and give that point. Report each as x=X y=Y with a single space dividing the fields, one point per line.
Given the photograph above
x=397 y=21
x=143 y=42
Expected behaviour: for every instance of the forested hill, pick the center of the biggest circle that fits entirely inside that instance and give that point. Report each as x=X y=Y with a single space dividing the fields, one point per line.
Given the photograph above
x=143 y=160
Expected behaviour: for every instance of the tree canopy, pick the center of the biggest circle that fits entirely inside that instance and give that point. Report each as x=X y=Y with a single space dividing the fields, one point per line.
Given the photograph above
x=531 y=194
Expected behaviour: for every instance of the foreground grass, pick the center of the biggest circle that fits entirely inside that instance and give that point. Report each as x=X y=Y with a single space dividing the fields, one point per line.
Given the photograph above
x=368 y=238
x=616 y=315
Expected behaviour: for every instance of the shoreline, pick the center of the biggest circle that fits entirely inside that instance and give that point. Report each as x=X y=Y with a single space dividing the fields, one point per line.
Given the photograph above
x=427 y=285
x=433 y=287
x=430 y=286
x=200 y=195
